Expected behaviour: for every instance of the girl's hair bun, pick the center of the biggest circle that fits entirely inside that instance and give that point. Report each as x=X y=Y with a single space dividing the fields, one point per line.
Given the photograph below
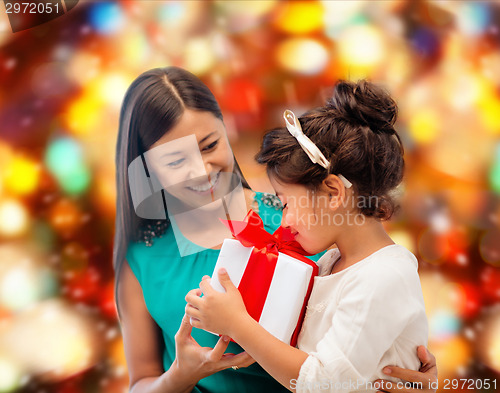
x=366 y=104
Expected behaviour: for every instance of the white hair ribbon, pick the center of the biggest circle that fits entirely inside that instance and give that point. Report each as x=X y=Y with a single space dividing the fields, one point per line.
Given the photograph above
x=312 y=151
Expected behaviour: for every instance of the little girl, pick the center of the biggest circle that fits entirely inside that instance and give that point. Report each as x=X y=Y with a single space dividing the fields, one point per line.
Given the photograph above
x=366 y=308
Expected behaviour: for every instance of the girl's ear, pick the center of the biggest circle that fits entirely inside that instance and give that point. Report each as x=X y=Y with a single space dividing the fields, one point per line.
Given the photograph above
x=335 y=190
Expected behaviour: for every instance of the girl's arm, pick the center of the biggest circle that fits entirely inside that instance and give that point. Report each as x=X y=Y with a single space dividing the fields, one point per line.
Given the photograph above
x=143 y=347
x=225 y=313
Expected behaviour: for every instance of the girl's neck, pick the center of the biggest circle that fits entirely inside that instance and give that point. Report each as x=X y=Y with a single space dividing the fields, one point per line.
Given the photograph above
x=356 y=242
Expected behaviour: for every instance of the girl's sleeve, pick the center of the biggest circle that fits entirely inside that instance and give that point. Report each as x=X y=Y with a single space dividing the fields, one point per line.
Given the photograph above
x=374 y=308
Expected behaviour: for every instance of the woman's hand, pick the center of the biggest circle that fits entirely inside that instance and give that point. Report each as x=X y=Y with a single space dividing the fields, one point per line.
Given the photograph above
x=216 y=312
x=194 y=362
x=425 y=379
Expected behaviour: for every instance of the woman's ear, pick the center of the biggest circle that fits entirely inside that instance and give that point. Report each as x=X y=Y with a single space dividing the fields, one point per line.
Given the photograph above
x=336 y=191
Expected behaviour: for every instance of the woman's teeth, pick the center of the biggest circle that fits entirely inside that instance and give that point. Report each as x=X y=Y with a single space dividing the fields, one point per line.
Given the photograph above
x=206 y=186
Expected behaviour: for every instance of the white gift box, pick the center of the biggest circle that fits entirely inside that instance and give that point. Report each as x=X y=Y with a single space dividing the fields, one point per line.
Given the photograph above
x=287 y=291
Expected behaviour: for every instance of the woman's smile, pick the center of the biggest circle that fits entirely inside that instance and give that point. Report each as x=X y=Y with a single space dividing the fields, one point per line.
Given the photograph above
x=206 y=187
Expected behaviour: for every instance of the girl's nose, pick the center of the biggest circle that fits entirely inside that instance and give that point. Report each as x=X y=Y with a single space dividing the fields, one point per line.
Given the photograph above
x=287 y=219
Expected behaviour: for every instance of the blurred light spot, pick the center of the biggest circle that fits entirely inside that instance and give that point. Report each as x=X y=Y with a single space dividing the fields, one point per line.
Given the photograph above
x=53 y=339
x=13 y=218
x=171 y=12
x=199 y=55
x=494 y=175
x=23 y=279
x=361 y=46
x=443 y=325
x=303 y=56
x=240 y=16
x=440 y=222
x=424 y=126
x=18 y=288
x=64 y=160
x=135 y=48
x=106 y=17
x=339 y=14
x=83 y=114
x=404 y=239
x=489 y=108
x=489 y=340
x=473 y=17
x=65 y=216
x=300 y=17
x=21 y=175
x=112 y=88
x=10 y=375
x=83 y=67
x=451 y=355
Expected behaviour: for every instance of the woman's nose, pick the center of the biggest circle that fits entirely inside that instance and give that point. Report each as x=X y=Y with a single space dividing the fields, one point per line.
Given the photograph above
x=208 y=167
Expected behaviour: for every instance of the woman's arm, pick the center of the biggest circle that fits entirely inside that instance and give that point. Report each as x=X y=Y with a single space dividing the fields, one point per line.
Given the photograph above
x=143 y=347
x=225 y=313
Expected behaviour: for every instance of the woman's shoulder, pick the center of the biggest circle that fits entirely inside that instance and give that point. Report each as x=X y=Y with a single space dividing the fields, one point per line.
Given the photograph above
x=269 y=208
x=268 y=200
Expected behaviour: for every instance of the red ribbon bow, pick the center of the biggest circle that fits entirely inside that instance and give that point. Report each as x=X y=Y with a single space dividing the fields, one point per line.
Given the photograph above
x=256 y=280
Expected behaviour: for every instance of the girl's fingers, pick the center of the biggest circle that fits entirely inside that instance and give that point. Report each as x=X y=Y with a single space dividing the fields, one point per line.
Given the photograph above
x=193 y=297
x=192 y=312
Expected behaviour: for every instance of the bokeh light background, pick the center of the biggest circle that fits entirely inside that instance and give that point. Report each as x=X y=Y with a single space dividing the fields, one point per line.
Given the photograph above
x=61 y=89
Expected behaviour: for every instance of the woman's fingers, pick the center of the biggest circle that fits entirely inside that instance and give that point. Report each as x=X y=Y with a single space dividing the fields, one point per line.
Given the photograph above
x=218 y=351
x=185 y=329
x=427 y=359
x=401 y=387
x=245 y=360
x=389 y=387
x=409 y=375
x=241 y=360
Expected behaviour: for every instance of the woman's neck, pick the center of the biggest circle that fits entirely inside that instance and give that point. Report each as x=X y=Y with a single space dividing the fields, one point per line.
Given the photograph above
x=356 y=242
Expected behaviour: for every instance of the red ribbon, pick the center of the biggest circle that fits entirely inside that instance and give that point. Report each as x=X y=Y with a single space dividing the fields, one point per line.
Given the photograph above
x=256 y=279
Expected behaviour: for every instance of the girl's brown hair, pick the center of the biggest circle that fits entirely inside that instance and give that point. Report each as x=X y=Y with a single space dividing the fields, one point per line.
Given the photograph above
x=355 y=131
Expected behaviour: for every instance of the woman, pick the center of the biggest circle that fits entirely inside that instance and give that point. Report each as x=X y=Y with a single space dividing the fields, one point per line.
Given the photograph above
x=172 y=138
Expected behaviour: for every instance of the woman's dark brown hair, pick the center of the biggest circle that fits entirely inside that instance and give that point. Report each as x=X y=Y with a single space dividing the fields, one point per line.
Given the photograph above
x=153 y=104
x=355 y=131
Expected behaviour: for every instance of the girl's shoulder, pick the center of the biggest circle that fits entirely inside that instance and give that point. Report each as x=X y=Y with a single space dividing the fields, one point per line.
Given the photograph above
x=390 y=264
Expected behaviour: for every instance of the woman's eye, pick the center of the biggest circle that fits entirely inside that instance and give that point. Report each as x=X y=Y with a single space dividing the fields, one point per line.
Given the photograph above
x=211 y=146
x=176 y=163
x=283 y=207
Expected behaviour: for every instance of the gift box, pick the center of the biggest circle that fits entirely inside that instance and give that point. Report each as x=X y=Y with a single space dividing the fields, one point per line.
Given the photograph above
x=272 y=274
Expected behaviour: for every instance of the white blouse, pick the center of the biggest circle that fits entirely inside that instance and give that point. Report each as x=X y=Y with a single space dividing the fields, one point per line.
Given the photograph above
x=361 y=319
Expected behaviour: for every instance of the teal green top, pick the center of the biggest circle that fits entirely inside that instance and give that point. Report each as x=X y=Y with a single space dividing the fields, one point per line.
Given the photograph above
x=166 y=278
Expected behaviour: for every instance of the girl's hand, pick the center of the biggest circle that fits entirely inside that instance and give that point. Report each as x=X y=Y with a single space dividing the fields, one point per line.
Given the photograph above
x=216 y=312
x=194 y=362
x=425 y=379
